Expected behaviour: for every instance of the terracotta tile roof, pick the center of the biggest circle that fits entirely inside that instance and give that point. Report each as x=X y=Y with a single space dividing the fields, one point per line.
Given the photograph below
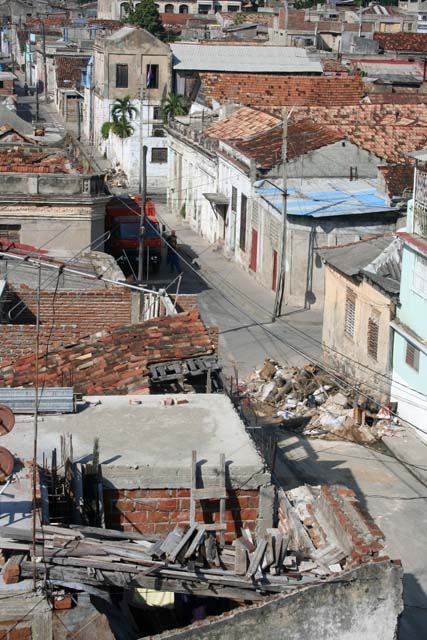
x=19 y=160
x=52 y=20
x=389 y=131
x=115 y=361
x=179 y=19
x=255 y=18
x=398 y=178
x=333 y=66
x=242 y=124
x=402 y=41
x=268 y=90
x=303 y=137
x=69 y=70
x=111 y=25
x=411 y=97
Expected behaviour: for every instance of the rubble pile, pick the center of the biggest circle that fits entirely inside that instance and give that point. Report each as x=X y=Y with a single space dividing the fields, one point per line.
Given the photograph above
x=311 y=401
x=321 y=531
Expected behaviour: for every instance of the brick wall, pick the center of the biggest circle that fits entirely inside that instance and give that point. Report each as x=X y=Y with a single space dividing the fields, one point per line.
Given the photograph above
x=160 y=510
x=7 y=89
x=15 y=630
x=75 y=314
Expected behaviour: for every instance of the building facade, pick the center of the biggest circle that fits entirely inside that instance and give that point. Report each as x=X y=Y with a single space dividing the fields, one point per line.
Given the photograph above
x=409 y=387
x=130 y=62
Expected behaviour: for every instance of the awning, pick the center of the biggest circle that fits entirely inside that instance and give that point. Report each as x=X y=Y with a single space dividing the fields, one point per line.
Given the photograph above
x=218 y=199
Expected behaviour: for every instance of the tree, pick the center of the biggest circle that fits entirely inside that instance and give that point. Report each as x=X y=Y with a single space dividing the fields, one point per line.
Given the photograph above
x=122 y=113
x=172 y=106
x=146 y=15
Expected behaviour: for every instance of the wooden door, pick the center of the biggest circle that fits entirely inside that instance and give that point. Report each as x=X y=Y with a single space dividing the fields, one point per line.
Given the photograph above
x=274 y=281
x=254 y=250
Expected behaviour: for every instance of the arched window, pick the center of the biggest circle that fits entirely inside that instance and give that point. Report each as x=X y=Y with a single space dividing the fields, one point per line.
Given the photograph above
x=169 y=8
x=157 y=7
x=183 y=8
x=124 y=9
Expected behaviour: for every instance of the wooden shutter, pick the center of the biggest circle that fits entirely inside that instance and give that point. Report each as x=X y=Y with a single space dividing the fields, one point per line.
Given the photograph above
x=350 y=313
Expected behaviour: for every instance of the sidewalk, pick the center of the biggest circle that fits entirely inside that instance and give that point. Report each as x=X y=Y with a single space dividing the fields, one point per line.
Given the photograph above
x=411 y=451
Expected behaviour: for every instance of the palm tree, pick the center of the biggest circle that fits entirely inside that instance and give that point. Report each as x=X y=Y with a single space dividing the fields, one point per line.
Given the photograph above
x=122 y=113
x=172 y=105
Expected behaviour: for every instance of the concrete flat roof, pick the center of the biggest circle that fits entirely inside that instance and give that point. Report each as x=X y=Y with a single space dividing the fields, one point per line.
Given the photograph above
x=150 y=444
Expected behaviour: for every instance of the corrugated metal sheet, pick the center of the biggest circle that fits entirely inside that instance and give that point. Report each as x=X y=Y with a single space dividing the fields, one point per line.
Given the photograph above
x=51 y=400
x=242 y=58
x=321 y=198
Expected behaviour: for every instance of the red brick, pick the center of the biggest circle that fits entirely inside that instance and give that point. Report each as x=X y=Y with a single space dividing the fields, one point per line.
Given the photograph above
x=20 y=633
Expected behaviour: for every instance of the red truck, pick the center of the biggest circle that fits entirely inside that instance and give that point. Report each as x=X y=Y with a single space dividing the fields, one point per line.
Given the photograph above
x=122 y=220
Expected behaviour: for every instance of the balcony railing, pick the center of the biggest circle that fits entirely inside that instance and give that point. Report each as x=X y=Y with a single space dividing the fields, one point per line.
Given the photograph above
x=420 y=204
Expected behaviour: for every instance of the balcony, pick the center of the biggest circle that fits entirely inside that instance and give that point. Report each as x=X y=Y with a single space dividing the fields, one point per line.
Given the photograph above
x=419 y=221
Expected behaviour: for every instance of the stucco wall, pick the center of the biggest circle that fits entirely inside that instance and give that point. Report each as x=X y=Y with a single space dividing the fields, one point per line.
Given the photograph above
x=413 y=306
x=334 y=161
x=58 y=226
x=336 y=343
x=367 y=608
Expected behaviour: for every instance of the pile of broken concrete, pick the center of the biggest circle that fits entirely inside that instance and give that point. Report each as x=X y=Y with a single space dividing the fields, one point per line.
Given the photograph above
x=311 y=401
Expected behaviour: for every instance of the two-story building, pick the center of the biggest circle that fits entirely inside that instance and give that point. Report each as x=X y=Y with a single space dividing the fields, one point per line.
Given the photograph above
x=409 y=386
x=130 y=62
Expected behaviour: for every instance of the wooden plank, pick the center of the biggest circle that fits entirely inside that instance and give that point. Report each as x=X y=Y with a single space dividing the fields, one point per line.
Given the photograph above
x=193 y=487
x=256 y=558
x=97 y=532
x=241 y=559
x=11 y=571
x=197 y=541
x=209 y=493
x=172 y=556
x=215 y=526
x=222 y=499
x=171 y=540
x=11 y=545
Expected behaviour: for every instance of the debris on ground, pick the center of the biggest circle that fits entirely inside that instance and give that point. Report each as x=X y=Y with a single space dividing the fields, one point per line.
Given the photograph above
x=310 y=400
x=321 y=531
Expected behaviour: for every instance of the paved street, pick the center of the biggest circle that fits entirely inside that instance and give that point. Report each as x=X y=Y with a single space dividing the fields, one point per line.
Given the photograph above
x=240 y=307
x=394 y=498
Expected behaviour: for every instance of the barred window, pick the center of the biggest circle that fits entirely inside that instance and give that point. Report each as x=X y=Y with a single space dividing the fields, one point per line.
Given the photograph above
x=373 y=331
x=233 y=199
x=412 y=358
x=419 y=282
x=350 y=313
x=243 y=210
x=159 y=155
x=122 y=78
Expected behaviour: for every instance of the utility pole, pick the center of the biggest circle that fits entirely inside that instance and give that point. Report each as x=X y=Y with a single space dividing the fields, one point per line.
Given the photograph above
x=36 y=415
x=44 y=60
x=141 y=133
x=281 y=281
x=142 y=217
x=285 y=4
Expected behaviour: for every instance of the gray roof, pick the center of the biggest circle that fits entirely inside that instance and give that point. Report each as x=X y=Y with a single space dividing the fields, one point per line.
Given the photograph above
x=11 y=118
x=378 y=259
x=243 y=58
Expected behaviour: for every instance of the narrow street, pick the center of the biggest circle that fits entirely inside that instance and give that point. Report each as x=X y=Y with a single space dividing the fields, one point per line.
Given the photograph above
x=232 y=300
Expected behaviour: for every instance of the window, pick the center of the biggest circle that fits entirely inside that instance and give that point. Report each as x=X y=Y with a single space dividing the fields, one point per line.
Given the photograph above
x=204 y=8
x=157 y=114
x=233 y=199
x=10 y=232
x=159 y=155
x=158 y=132
x=412 y=358
x=419 y=281
x=169 y=8
x=121 y=76
x=373 y=330
x=350 y=313
x=152 y=75
x=1 y=84
x=183 y=8
x=124 y=10
x=243 y=208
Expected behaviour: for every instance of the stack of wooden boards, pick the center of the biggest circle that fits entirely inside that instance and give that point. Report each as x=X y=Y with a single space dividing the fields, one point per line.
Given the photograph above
x=188 y=560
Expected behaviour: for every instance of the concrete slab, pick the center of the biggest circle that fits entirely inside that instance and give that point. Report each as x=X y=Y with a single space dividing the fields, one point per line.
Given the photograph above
x=150 y=444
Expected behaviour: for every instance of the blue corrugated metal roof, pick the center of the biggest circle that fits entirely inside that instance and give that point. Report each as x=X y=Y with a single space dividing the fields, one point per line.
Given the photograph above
x=321 y=198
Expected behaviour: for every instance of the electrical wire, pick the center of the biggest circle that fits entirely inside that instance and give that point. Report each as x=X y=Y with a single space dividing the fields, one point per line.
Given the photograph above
x=301 y=353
